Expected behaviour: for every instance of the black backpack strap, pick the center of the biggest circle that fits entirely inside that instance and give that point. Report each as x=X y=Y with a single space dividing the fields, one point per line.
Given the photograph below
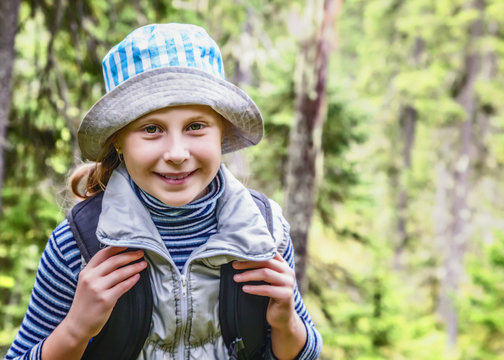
x=243 y=316
x=124 y=334
x=83 y=221
x=264 y=205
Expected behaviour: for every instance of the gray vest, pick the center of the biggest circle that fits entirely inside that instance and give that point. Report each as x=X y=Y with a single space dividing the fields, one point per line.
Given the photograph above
x=185 y=319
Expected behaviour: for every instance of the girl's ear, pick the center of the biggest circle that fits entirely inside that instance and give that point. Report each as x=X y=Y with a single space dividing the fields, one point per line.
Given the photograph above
x=117 y=141
x=118 y=150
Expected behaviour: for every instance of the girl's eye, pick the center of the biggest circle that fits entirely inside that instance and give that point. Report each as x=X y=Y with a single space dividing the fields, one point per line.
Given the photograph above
x=195 y=126
x=151 y=129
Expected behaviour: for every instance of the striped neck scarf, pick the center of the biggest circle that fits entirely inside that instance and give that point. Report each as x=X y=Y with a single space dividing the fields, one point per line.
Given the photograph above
x=184 y=228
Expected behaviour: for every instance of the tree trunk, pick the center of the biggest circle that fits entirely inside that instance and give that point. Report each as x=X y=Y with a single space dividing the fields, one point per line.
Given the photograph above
x=457 y=230
x=306 y=132
x=408 y=125
x=408 y=119
x=243 y=61
x=8 y=28
x=488 y=72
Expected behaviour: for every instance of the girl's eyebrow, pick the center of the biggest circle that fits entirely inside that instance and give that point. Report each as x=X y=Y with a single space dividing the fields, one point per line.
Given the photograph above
x=200 y=118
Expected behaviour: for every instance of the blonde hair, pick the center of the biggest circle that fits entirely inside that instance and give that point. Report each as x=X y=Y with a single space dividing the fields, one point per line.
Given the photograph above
x=89 y=179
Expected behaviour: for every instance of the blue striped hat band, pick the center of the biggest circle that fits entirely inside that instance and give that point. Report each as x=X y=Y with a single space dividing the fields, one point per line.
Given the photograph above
x=161 y=45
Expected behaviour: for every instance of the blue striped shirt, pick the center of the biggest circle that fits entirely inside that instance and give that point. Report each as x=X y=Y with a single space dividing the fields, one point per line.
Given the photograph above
x=184 y=228
x=56 y=282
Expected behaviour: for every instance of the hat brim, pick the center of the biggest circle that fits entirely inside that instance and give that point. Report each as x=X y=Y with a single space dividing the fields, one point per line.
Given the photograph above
x=170 y=86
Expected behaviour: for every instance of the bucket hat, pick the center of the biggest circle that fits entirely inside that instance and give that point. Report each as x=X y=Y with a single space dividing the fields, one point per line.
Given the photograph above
x=163 y=65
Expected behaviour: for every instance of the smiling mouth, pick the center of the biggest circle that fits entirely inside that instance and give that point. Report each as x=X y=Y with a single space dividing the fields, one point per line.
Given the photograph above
x=178 y=176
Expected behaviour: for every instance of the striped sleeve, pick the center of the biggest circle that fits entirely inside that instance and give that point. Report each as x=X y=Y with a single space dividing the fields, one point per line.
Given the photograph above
x=52 y=294
x=313 y=345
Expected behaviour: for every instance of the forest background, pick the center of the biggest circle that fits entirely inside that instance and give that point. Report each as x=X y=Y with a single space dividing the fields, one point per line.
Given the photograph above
x=406 y=244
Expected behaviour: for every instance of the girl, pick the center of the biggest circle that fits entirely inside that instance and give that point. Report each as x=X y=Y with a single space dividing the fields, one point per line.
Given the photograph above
x=156 y=139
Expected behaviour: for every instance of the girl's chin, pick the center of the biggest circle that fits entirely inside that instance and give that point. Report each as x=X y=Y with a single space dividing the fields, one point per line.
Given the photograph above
x=177 y=201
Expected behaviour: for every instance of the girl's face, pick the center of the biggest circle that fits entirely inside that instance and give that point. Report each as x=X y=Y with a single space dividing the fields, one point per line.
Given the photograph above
x=174 y=153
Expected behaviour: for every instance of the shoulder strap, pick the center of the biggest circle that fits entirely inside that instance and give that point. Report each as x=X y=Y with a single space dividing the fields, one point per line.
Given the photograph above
x=83 y=221
x=124 y=334
x=264 y=205
x=243 y=316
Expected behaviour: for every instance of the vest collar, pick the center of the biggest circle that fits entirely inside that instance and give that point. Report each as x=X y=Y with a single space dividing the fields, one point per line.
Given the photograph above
x=242 y=232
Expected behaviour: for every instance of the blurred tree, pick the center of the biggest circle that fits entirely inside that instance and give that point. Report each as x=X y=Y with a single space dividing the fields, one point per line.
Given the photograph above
x=408 y=117
x=408 y=59
x=457 y=231
x=8 y=28
x=306 y=131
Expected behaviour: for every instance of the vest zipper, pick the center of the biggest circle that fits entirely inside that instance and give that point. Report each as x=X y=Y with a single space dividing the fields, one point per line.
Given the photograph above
x=183 y=314
x=237 y=343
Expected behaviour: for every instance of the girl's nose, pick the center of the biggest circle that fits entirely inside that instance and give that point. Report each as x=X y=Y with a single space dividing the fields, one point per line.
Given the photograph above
x=176 y=152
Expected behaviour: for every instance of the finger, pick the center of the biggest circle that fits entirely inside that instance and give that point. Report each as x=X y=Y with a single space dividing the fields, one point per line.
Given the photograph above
x=279 y=257
x=277 y=293
x=104 y=254
x=277 y=264
x=117 y=261
x=121 y=288
x=265 y=274
x=247 y=264
x=122 y=274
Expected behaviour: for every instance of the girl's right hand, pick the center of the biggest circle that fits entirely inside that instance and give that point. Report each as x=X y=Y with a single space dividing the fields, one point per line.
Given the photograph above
x=106 y=277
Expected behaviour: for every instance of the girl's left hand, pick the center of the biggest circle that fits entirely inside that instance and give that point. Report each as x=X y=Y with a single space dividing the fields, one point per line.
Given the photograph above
x=288 y=333
x=280 y=288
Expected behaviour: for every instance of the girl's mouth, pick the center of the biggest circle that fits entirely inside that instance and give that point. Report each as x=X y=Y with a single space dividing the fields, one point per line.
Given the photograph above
x=176 y=178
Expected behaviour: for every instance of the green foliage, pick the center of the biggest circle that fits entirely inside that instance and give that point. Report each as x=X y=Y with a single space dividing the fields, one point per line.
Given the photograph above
x=365 y=312
x=342 y=129
x=396 y=54
x=29 y=215
x=484 y=315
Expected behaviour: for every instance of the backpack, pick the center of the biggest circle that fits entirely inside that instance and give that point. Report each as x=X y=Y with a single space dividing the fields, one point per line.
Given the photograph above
x=242 y=316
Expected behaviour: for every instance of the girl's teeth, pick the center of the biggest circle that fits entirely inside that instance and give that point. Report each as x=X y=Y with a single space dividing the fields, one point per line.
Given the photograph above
x=174 y=177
